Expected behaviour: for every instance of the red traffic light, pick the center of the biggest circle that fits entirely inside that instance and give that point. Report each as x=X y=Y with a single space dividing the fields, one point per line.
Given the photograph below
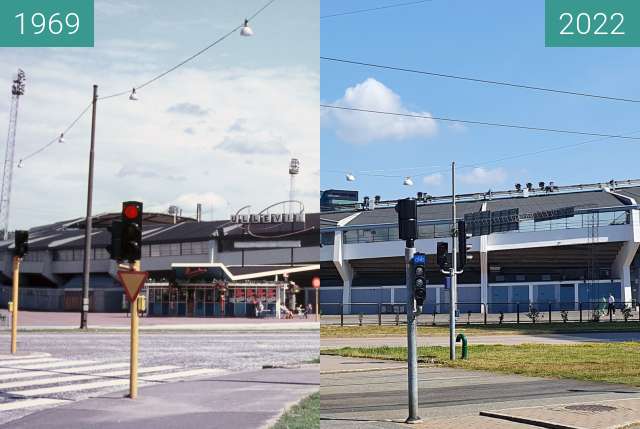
x=131 y=211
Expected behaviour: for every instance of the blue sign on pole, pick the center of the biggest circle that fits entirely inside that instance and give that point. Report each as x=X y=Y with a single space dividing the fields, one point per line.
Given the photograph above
x=420 y=259
x=447 y=283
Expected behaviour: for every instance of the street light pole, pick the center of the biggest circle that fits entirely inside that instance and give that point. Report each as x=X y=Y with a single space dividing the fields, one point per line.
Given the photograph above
x=454 y=268
x=86 y=268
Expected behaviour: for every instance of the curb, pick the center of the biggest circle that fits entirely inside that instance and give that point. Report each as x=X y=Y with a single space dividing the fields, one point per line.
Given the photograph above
x=527 y=421
x=344 y=371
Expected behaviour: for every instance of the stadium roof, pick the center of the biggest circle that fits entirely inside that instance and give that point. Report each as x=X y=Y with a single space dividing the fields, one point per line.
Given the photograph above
x=588 y=199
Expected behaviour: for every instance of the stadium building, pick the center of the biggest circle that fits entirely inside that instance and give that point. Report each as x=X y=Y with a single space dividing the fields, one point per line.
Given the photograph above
x=196 y=268
x=553 y=247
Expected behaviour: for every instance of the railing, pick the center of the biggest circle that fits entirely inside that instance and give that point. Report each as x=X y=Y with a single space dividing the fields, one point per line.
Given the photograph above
x=442 y=228
x=472 y=313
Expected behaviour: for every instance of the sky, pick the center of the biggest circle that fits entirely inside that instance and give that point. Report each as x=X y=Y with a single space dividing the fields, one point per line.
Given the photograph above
x=219 y=131
x=495 y=40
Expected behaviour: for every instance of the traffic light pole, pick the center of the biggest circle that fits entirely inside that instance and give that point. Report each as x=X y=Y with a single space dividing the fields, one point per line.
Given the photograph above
x=412 y=351
x=14 y=300
x=453 y=292
x=133 y=369
x=86 y=268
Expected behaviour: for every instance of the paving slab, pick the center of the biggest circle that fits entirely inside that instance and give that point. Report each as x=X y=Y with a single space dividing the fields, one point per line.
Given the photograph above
x=610 y=414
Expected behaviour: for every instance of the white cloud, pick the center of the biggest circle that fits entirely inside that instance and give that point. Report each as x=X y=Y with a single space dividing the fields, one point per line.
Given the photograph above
x=362 y=127
x=483 y=176
x=434 y=179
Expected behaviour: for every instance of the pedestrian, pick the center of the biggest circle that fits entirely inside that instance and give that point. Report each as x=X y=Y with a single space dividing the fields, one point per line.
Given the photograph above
x=309 y=311
x=611 y=308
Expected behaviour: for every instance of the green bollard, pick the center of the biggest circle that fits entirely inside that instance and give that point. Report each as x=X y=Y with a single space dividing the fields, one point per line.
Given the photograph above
x=465 y=351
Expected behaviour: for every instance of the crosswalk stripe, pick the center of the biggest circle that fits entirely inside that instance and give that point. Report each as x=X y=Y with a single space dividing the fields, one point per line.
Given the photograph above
x=30 y=403
x=61 y=371
x=22 y=357
x=109 y=383
x=60 y=363
x=80 y=377
x=27 y=361
x=184 y=374
x=9 y=361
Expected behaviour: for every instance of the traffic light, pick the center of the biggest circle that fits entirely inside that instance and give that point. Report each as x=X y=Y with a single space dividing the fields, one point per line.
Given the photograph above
x=463 y=247
x=21 y=243
x=115 y=248
x=407 y=210
x=131 y=231
x=442 y=255
x=419 y=280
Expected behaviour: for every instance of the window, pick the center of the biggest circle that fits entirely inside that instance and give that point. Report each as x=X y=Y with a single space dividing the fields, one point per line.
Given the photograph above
x=199 y=248
x=78 y=254
x=101 y=253
x=146 y=251
x=63 y=255
x=37 y=256
x=155 y=250
x=175 y=249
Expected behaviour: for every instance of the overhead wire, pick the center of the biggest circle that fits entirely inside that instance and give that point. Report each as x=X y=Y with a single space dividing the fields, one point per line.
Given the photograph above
x=390 y=6
x=483 y=123
x=150 y=81
x=479 y=80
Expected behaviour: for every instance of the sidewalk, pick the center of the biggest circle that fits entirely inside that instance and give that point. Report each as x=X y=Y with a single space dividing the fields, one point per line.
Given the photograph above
x=31 y=321
x=243 y=401
x=372 y=393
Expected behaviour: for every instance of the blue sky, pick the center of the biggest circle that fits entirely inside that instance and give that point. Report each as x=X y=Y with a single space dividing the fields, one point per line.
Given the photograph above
x=493 y=40
x=219 y=131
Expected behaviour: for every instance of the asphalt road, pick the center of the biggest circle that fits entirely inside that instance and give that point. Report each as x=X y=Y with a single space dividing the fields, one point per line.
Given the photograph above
x=401 y=341
x=378 y=399
x=162 y=354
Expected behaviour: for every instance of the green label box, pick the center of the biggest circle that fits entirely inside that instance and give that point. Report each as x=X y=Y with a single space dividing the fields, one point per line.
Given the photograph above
x=46 y=23
x=595 y=23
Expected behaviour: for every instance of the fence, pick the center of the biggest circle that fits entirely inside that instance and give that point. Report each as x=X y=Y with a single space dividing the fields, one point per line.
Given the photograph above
x=515 y=313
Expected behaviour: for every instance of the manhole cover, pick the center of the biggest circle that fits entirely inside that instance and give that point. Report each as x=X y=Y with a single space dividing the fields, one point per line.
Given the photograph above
x=593 y=408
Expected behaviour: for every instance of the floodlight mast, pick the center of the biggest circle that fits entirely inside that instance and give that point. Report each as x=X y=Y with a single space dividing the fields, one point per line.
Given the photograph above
x=17 y=91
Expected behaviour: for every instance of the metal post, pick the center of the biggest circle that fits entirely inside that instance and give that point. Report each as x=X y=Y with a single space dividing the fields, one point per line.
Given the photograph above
x=133 y=370
x=549 y=312
x=317 y=304
x=86 y=268
x=379 y=314
x=580 y=308
x=341 y=314
x=14 y=299
x=518 y=313
x=454 y=268
x=412 y=351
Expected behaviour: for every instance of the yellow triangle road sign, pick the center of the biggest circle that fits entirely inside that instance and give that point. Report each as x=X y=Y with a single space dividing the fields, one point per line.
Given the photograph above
x=132 y=282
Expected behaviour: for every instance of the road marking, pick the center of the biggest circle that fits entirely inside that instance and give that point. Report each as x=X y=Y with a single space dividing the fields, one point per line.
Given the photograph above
x=184 y=374
x=62 y=371
x=27 y=361
x=108 y=383
x=18 y=357
x=61 y=363
x=30 y=403
x=80 y=377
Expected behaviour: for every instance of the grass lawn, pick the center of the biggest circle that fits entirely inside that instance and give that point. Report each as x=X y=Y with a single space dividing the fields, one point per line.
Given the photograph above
x=305 y=415
x=335 y=331
x=605 y=362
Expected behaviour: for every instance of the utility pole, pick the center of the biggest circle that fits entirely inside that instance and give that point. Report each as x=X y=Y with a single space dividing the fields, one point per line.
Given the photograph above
x=14 y=304
x=454 y=267
x=86 y=268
